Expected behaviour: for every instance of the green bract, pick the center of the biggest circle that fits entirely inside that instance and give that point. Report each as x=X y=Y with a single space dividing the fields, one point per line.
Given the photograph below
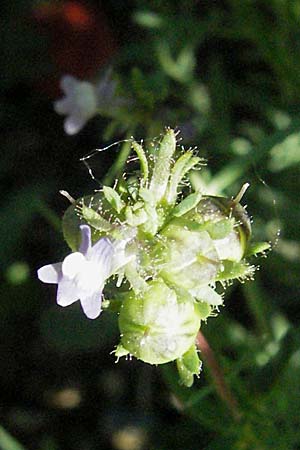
x=179 y=247
x=158 y=325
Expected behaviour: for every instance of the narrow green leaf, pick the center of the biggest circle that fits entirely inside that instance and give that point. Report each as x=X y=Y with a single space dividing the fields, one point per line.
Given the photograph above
x=185 y=163
x=113 y=198
x=143 y=160
x=93 y=218
x=161 y=170
x=187 y=204
x=7 y=442
x=257 y=247
x=234 y=269
x=286 y=153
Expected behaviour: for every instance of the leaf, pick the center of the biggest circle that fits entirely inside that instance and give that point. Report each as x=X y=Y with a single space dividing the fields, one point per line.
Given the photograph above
x=181 y=69
x=161 y=170
x=148 y=19
x=143 y=160
x=265 y=377
x=188 y=366
x=234 y=269
x=257 y=247
x=7 y=442
x=113 y=198
x=183 y=164
x=77 y=212
x=187 y=204
x=286 y=153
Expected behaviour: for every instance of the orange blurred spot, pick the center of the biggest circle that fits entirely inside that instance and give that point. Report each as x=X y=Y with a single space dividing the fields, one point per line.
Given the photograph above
x=80 y=40
x=77 y=15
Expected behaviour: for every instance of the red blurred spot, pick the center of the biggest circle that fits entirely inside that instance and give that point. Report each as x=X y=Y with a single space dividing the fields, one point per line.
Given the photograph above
x=77 y=15
x=74 y=14
x=81 y=41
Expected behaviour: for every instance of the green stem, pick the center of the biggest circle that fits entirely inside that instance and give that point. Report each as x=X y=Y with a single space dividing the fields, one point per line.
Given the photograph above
x=50 y=216
x=218 y=376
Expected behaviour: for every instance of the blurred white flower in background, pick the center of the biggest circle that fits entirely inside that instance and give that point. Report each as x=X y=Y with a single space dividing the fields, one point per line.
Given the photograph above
x=83 y=100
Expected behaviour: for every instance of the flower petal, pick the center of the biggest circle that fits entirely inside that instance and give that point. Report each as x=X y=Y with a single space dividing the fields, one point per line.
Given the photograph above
x=73 y=264
x=102 y=252
x=67 y=292
x=92 y=305
x=86 y=242
x=68 y=83
x=120 y=258
x=63 y=106
x=74 y=124
x=51 y=273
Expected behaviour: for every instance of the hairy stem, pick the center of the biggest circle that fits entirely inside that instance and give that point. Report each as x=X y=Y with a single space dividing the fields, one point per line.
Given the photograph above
x=218 y=376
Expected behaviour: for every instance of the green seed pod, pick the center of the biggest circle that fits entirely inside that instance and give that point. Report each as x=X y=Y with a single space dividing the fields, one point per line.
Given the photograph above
x=188 y=258
x=159 y=325
x=227 y=223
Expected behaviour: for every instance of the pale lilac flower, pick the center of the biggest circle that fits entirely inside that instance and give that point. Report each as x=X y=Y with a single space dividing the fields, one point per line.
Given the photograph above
x=83 y=100
x=79 y=103
x=82 y=275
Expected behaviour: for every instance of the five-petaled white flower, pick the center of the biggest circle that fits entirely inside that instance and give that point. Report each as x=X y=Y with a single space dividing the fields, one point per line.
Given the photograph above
x=83 y=100
x=82 y=275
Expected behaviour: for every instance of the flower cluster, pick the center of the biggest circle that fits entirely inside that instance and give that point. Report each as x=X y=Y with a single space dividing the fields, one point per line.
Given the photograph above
x=169 y=251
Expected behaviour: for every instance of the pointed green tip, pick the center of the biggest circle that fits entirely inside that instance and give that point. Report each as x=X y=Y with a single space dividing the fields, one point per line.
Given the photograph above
x=258 y=248
x=120 y=351
x=188 y=366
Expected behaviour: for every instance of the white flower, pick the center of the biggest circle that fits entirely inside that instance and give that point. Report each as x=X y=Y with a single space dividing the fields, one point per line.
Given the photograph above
x=79 y=103
x=83 y=100
x=82 y=274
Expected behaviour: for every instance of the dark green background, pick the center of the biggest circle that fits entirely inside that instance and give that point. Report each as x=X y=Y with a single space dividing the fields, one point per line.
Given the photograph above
x=245 y=57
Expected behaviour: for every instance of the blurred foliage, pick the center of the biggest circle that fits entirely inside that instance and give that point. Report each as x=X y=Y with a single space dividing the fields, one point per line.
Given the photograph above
x=227 y=73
